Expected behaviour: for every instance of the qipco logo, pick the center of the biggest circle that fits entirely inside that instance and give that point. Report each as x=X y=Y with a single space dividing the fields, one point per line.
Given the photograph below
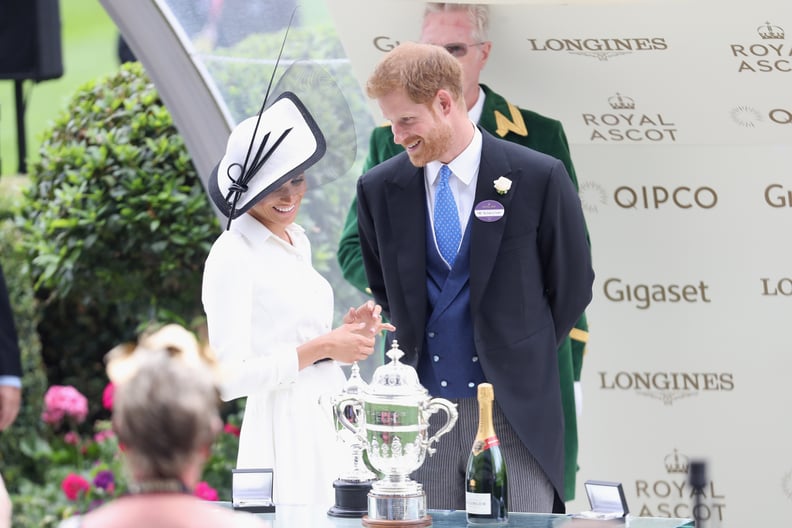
x=658 y=196
x=781 y=116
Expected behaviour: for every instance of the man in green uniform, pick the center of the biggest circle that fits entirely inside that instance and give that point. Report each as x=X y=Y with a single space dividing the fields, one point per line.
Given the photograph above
x=462 y=30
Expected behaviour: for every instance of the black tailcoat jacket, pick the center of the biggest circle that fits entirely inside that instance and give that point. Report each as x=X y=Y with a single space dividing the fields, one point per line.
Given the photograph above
x=530 y=278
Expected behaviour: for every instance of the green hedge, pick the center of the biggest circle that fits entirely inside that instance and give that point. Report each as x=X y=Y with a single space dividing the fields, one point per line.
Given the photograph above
x=116 y=226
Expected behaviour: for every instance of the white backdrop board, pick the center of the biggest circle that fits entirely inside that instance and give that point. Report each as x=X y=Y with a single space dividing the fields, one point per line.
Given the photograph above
x=679 y=116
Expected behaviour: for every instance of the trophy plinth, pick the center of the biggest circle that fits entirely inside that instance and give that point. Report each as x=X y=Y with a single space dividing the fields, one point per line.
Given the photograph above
x=351 y=488
x=391 y=422
x=351 y=498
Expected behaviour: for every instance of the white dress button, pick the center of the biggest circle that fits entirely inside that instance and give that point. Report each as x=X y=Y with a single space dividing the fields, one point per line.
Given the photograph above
x=444 y=383
x=475 y=359
x=436 y=358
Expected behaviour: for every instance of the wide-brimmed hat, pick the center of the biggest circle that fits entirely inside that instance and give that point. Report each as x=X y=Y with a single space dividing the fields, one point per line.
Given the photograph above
x=263 y=153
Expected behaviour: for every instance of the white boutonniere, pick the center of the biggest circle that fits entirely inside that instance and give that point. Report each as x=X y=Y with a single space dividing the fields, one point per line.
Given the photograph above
x=502 y=185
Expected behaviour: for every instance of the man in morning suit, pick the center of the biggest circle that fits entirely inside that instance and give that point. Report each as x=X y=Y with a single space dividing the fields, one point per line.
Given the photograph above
x=476 y=249
x=462 y=30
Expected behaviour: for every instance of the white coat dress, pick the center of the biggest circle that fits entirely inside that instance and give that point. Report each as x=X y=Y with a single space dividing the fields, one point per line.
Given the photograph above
x=263 y=298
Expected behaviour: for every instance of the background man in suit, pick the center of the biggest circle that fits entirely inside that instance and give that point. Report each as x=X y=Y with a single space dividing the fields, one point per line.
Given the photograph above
x=10 y=363
x=483 y=269
x=462 y=30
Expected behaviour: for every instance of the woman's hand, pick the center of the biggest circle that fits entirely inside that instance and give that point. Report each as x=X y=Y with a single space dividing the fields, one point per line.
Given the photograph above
x=350 y=342
x=370 y=315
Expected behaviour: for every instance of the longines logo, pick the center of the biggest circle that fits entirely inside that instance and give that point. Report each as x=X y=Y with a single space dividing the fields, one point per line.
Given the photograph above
x=769 y=54
x=673 y=496
x=645 y=296
x=776 y=287
x=750 y=117
x=667 y=386
x=594 y=197
x=622 y=124
x=599 y=48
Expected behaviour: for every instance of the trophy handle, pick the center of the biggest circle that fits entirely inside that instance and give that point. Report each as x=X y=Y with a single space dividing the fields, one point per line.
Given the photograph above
x=435 y=405
x=339 y=408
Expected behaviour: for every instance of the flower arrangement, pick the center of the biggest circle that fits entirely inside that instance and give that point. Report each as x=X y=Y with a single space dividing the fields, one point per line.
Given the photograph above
x=84 y=466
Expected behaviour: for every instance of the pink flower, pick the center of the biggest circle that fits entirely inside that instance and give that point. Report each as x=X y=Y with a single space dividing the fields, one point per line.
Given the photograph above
x=73 y=485
x=64 y=401
x=205 y=491
x=231 y=429
x=71 y=438
x=101 y=436
x=107 y=396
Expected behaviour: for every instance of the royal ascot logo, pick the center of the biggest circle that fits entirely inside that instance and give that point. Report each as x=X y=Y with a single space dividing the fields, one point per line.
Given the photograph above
x=750 y=117
x=672 y=495
x=768 y=53
x=598 y=48
x=667 y=387
x=621 y=124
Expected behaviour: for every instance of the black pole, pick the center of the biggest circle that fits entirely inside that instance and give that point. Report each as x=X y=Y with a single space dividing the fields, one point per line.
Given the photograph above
x=20 y=115
x=697 y=477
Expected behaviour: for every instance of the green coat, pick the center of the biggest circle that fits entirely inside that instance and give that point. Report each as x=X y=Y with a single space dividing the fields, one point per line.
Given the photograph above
x=532 y=130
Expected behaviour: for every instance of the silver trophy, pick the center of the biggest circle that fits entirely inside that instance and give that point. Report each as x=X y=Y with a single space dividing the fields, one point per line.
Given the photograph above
x=353 y=485
x=392 y=421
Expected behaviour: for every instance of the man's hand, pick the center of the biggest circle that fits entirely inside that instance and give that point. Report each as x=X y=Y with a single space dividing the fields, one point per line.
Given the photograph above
x=10 y=398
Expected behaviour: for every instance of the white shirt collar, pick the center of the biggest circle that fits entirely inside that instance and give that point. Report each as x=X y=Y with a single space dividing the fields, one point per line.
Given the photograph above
x=475 y=112
x=465 y=166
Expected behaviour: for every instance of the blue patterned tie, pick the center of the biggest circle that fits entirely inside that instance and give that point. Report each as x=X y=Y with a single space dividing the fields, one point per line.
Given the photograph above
x=446 y=219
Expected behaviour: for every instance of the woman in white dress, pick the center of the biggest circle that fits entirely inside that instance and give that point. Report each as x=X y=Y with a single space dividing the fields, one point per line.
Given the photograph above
x=269 y=312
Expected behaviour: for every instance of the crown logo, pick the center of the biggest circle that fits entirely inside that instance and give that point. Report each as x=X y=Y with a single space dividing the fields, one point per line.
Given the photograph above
x=769 y=31
x=621 y=102
x=676 y=463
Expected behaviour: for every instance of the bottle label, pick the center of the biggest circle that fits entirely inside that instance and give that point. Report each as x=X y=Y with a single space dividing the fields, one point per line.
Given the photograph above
x=478 y=503
x=492 y=441
x=481 y=445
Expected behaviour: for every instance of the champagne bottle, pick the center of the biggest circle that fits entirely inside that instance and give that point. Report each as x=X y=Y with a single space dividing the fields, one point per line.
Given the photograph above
x=486 y=497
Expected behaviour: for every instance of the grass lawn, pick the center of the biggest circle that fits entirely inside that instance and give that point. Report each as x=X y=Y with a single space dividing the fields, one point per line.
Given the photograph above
x=88 y=43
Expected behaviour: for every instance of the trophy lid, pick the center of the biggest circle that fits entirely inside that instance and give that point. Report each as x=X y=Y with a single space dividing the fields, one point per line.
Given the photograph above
x=396 y=378
x=355 y=384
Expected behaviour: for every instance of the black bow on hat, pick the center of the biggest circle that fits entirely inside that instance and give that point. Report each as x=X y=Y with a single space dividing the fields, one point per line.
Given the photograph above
x=263 y=153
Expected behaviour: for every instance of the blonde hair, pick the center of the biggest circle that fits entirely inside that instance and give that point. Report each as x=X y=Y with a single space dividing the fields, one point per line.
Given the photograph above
x=418 y=69
x=165 y=412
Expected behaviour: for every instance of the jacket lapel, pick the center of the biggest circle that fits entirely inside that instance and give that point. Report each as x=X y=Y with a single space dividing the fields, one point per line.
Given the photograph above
x=485 y=237
x=407 y=209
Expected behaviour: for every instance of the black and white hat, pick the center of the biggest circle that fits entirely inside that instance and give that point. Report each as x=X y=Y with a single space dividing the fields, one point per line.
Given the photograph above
x=263 y=153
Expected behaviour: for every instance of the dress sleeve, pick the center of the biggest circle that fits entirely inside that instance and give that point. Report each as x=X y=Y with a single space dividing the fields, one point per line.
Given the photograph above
x=228 y=302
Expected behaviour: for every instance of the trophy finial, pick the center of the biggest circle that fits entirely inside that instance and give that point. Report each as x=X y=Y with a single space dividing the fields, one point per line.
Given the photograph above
x=395 y=352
